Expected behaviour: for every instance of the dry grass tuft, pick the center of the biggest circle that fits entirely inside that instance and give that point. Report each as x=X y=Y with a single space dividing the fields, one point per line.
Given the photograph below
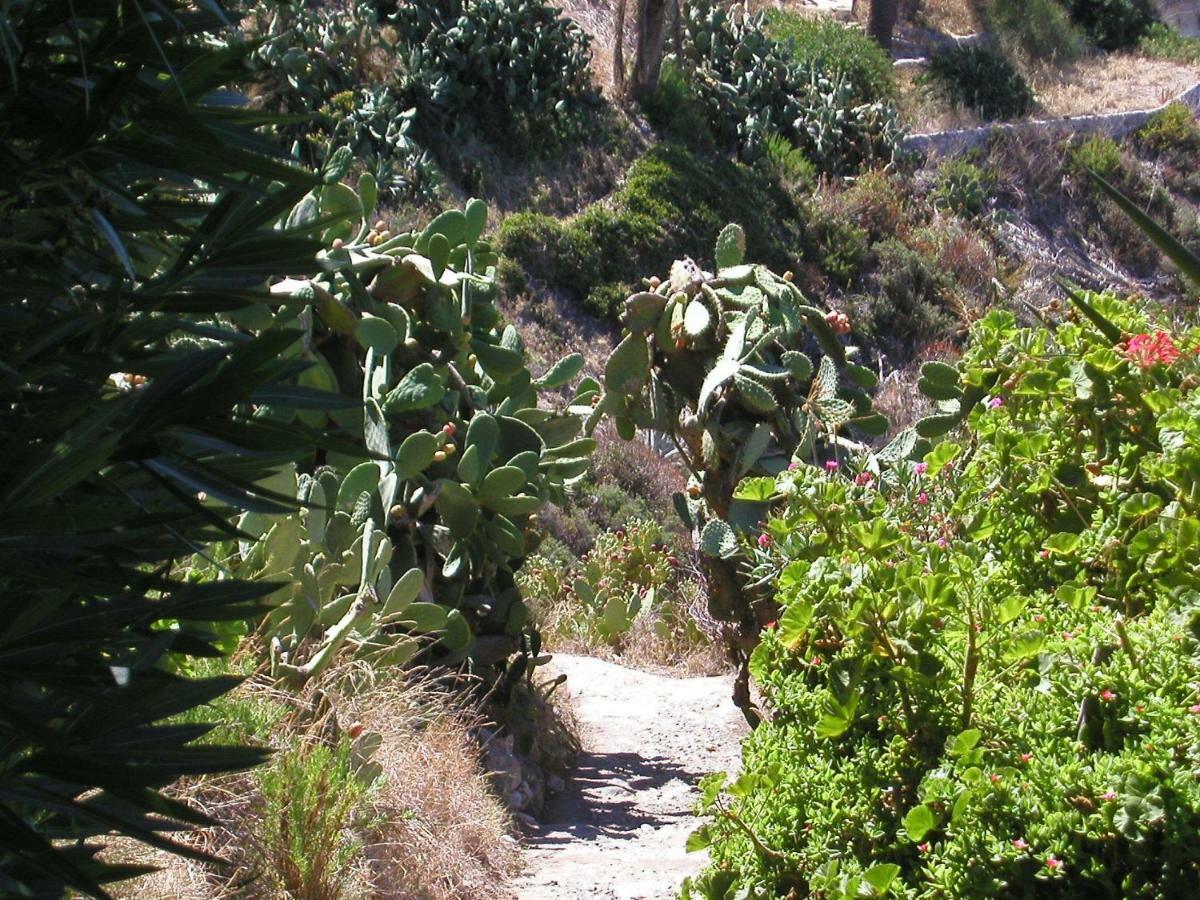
x=429 y=829
x=1117 y=82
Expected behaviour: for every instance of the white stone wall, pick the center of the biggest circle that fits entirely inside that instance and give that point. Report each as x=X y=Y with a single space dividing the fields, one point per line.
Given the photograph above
x=1182 y=15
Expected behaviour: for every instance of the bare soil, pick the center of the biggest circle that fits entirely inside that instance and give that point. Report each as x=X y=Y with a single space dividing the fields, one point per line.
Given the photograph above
x=619 y=828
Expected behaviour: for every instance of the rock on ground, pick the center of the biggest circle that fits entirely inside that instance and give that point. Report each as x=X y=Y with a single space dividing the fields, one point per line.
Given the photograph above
x=619 y=828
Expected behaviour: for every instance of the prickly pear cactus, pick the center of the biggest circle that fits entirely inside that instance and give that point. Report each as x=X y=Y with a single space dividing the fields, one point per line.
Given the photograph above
x=448 y=454
x=747 y=378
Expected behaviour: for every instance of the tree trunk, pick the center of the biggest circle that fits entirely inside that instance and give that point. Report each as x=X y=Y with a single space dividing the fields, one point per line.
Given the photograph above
x=651 y=35
x=881 y=22
x=618 y=54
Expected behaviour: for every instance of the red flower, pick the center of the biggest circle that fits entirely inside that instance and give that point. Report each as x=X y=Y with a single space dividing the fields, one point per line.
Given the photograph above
x=1150 y=349
x=1053 y=863
x=1026 y=757
x=764 y=541
x=1107 y=696
x=862 y=479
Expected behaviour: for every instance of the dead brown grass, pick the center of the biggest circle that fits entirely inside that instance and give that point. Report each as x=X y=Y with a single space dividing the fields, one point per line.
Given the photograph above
x=433 y=830
x=1110 y=84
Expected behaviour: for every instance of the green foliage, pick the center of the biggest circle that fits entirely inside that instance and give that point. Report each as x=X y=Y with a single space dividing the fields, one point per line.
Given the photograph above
x=1098 y=153
x=962 y=187
x=727 y=365
x=511 y=69
x=825 y=45
x=906 y=298
x=751 y=87
x=628 y=575
x=984 y=675
x=787 y=163
x=673 y=202
x=674 y=110
x=982 y=80
x=1112 y=24
x=1163 y=42
x=136 y=203
x=1173 y=130
x=1039 y=29
x=433 y=496
x=333 y=61
x=316 y=801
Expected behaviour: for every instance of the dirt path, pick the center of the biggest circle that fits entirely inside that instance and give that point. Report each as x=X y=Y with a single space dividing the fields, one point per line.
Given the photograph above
x=618 y=831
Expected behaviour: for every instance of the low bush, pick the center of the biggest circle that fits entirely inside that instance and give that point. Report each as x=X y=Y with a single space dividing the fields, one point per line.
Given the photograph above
x=674 y=110
x=1098 y=153
x=1039 y=29
x=1113 y=24
x=982 y=80
x=673 y=202
x=983 y=680
x=1171 y=131
x=1163 y=42
x=823 y=44
x=905 y=301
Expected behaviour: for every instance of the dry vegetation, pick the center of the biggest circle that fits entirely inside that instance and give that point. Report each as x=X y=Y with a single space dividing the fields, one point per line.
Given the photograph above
x=430 y=827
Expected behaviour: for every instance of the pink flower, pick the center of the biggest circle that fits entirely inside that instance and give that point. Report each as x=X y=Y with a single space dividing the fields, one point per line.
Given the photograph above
x=793 y=466
x=941 y=542
x=1053 y=862
x=862 y=479
x=921 y=468
x=1067 y=635
x=816 y=661
x=1194 y=709
x=831 y=465
x=923 y=498
x=1107 y=696
x=1044 y=554
x=1110 y=795
x=764 y=541
x=770 y=625
x=1021 y=844
x=995 y=402
x=1150 y=349
x=1026 y=757
x=995 y=779
x=924 y=847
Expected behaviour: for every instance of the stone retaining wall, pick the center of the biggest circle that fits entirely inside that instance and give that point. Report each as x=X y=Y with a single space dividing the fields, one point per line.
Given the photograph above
x=945 y=143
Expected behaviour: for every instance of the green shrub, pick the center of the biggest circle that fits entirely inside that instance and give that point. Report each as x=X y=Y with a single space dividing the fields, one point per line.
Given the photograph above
x=906 y=299
x=838 y=245
x=984 y=677
x=1113 y=24
x=1173 y=130
x=787 y=164
x=822 y=44
x=1040 y=29
x=962 y=187
x=1099 y=153
x=673 y=202
x=750 y=87
x=674 y=110
x=982 y=80
x=1163 y=42
x=316 y=805
x=513 y=69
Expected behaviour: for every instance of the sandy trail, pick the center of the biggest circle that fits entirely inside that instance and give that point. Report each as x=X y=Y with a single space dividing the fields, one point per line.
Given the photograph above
x=618 y=830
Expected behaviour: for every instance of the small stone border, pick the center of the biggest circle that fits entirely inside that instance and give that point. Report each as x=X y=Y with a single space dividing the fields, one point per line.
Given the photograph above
x=943 y=143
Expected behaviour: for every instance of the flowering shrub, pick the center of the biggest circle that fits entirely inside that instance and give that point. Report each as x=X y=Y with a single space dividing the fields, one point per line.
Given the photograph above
x=985 y=680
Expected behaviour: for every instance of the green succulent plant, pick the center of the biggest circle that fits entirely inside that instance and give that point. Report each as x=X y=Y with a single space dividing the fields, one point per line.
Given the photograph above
x=747 y=378
x=450 y=456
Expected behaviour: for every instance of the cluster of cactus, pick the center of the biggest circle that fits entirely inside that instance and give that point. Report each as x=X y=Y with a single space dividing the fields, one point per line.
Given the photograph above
x=747 y=378
x=499 y=63
x=752 y=88
x=455 y=456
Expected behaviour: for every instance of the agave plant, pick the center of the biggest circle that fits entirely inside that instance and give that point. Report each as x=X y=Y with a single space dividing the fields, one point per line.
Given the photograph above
x=135 y=201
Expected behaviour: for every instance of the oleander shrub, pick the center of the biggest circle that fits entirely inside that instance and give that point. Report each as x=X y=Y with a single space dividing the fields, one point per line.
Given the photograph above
x=983 y=679
x=982 y=80
x=824 y=44
x=751 y=86
x=1113 y=24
